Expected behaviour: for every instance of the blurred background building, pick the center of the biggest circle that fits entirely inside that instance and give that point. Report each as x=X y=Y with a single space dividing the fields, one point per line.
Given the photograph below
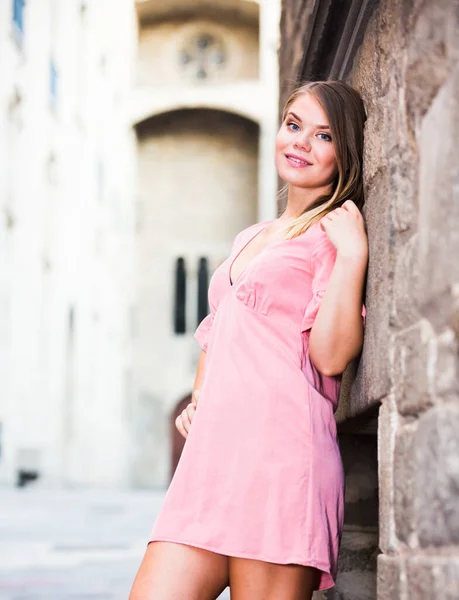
x=67 y=291
x=135 y=142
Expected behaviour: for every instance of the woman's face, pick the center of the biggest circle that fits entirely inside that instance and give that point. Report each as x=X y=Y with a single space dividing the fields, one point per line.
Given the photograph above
x=305 y=152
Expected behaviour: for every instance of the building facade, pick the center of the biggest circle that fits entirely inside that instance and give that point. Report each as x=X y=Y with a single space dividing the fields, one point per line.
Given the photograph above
x=399 y=419
x=67 y=155
x=131 y=155
x=204 y=108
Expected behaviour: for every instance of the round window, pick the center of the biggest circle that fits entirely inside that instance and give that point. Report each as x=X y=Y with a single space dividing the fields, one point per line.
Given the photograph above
x=203 y=56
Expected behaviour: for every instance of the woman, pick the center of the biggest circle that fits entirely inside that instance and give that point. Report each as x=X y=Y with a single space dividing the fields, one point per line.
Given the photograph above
x=257 y=501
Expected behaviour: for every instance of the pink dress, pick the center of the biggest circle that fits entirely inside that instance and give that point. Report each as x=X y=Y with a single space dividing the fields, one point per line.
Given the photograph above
x=261 y=475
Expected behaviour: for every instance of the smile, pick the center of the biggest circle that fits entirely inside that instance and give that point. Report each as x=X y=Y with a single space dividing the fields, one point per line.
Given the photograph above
x=296 y=162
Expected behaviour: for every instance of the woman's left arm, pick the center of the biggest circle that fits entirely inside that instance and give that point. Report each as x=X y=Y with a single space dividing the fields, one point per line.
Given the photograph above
x=337 y=333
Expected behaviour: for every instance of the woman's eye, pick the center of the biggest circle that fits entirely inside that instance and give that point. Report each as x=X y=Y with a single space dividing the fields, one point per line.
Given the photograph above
x=291 y=124
x=327 y=137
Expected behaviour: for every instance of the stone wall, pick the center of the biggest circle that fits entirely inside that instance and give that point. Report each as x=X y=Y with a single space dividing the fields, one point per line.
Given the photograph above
x=407 y=73
x=406 y=70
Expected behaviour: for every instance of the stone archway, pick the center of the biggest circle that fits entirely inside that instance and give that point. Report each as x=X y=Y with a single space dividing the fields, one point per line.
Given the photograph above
x=197 y=188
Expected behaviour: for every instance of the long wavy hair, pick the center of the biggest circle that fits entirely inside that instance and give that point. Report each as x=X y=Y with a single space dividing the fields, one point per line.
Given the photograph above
x=346 y=116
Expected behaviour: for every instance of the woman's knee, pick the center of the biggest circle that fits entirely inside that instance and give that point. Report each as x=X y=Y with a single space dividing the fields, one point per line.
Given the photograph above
x=260 y=580
x=171 y=571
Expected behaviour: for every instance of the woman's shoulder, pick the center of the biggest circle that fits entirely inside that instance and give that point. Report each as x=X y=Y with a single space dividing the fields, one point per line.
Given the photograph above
x=316 y=243
x=314 y=235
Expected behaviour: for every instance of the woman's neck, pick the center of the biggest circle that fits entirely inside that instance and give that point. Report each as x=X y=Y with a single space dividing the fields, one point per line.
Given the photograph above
x=299 y=199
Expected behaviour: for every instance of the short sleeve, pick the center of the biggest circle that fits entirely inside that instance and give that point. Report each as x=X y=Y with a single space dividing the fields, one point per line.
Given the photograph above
x=203 y=331
x=323 y=259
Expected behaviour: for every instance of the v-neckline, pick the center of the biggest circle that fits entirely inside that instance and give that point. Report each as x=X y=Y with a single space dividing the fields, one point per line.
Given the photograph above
x=265 y=225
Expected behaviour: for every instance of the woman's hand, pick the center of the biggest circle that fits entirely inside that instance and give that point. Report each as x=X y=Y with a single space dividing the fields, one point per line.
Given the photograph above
x=346 y=230
x=183 y=421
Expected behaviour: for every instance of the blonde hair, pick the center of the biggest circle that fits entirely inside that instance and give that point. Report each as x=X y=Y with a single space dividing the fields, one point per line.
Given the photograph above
x=346 y=116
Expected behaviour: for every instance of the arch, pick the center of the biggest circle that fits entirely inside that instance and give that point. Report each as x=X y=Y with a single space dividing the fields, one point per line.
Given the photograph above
x=151 y=10
x=231 y=99
x=157 y=119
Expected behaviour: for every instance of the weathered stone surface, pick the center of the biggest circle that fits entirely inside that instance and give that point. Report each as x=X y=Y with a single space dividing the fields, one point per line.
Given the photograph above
x=387 y=427
x=439 y=201
x=295 y=21
x=403 y=484
x=420 y=579
x=406 y=71
x=446 y=379
x=406 y=276
x=436 y=485
x=403 y=166
x=454 y=320
x=432 y=54
x=372 y=380
x=432 y=577
x=388 y=583
x=414 y=355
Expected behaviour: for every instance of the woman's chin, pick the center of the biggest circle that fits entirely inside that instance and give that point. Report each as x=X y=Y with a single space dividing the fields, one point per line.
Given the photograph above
x=296 y=179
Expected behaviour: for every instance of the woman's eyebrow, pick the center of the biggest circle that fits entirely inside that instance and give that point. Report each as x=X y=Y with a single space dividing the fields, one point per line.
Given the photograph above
x=298 y=119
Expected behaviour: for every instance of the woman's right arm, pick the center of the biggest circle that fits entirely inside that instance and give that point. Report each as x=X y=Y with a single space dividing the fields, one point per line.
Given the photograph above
x=199 y=373
x=183 y=421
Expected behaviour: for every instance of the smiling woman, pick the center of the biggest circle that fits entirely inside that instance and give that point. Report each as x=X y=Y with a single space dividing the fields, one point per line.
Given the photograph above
x=322 y=126
x=303 y=143
x=257 y=498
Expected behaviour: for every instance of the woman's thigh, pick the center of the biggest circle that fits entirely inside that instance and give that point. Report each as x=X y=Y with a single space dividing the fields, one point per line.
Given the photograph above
x=172 y=571
x=259 y=580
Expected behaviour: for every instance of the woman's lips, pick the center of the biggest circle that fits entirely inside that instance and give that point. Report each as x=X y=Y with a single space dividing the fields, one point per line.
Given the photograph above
x=296 y=161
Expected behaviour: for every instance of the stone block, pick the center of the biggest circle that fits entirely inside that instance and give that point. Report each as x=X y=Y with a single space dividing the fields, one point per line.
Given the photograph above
x=431 y=577
x=372 y=381
x=388 y=584
x=366 y=75
x=403 y=484
x=403 y=166
x=406 y=275
x=436 y=482
x=430 y=56
x=295 y=21
x=439 y=203
x=414 y=355
x=420 y=579
x=387 y=427
x=454 y=319
x=446 y=380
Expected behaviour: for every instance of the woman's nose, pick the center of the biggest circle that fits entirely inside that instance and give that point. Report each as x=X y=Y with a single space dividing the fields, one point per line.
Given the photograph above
x=303 y=142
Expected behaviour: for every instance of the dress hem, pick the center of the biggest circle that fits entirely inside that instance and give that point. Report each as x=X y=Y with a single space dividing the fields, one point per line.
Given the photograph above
x=237 y=554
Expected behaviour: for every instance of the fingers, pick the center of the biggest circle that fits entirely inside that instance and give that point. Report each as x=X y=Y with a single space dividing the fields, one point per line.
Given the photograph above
x=347 y=208
x=350 y=206
x=189 y=410
x=183 y=421
x=180 y=427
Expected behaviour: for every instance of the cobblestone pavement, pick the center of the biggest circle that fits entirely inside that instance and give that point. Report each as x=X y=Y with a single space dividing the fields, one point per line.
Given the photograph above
x=73 y=545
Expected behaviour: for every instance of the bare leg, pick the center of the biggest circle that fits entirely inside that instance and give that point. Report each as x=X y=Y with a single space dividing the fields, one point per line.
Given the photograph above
x=259 y=580
x=172 y=571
